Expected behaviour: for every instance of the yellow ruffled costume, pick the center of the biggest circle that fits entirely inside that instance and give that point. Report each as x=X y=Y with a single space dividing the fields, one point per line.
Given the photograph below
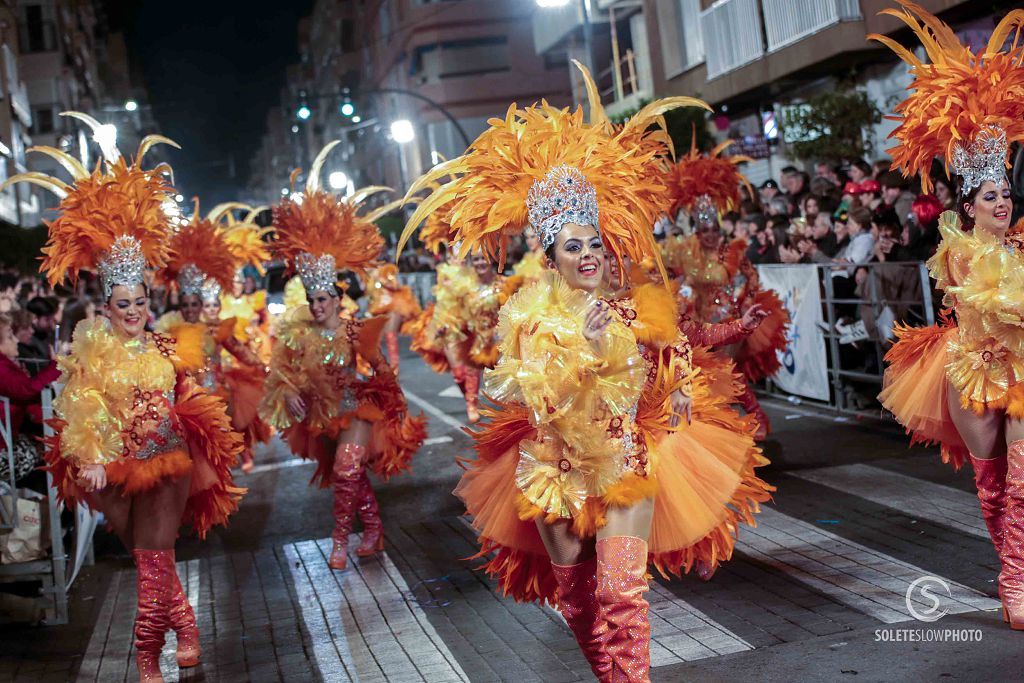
x=578 y=430
x=481 y=318
x=981 y=356
x=320 y=366
x=530 y=267
x=132 y=406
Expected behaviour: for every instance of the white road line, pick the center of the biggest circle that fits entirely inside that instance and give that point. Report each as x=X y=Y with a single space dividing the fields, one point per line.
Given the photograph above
x=867 y=580
x=679 y=631
x=434 y=410
x=362 y=621
x=451 y=392
x=914 y=497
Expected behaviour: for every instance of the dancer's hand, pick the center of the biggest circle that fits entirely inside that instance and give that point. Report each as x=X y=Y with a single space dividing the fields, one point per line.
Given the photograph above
x=753 y=317
x=296 y=406
x=92 y=478
x=682 y=405
x=596 y=322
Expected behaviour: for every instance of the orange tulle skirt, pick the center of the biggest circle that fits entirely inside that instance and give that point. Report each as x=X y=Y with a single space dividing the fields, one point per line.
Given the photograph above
x=757 y=355
x=916 y=391
x=212 y=450
x=243 y=390
x=703 y=485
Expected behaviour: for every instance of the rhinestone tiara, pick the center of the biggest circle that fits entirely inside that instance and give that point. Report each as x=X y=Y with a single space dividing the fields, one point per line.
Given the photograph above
x=124 y=264
x=984 y=158
x=210 y=290
x=563 y=196
x=190 y=280
x=707 y=214
x=318 y=274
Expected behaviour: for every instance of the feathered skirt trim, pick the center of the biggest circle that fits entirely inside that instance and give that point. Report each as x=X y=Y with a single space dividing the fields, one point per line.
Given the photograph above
x=212 y=450
x=916 y=389
x=395 y=434
x=427 y=345
x=757 y=355
x=402 y=302
x=243 y=390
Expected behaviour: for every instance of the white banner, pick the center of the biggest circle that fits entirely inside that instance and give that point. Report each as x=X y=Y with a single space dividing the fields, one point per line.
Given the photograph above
x=804 y=370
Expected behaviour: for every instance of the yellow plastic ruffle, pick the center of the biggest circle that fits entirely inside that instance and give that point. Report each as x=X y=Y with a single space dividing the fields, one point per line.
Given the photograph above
x=100 y=377
x=547 y=365
x=984 y=281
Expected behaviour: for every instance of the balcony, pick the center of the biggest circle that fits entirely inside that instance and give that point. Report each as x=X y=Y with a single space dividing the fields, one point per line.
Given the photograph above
x=554 y=25
x=789 y=21
x=732 y=35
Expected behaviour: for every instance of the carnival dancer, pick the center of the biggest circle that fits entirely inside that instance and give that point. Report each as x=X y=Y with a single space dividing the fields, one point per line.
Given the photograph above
x=566 y=488
x=136 y=438
x=325 y=411
x=391 y=299
x=532 y=265
x=717 y=282
x=961 y=383
x=202 y=261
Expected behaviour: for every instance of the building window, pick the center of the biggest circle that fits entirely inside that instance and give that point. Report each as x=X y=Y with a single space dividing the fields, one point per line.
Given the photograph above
x=556 y=61
x=37 y=29
x=682 y=41
x=459 y=58
x=42 y=120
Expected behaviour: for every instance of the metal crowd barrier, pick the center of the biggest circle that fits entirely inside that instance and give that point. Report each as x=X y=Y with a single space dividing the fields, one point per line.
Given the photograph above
x=904 y=288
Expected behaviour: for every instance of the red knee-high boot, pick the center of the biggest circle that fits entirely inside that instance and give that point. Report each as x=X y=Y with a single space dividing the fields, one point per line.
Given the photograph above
x=459 y=375
x=472 y=395
x=369 y=513
x=348 y=465
x=750 y=404
x=577 y=601
x=391 y=339
x=990 y=478
x=621 y=584
x=1011 y=579
x=183 y=621
x=155 y=569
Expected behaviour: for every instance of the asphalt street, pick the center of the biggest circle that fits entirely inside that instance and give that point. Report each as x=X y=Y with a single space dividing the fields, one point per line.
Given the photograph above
x=817 y=592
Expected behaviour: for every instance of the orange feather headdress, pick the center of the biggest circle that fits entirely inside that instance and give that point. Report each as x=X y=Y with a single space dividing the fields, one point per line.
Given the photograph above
x=706 y=181
x=964 y=107
x=319 y=234
x=245 y=237
x=200 y=262
x=111 y=220
x=551 y=164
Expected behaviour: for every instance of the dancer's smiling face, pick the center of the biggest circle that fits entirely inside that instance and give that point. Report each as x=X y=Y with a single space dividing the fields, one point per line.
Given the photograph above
x=323 y=307
x=191 y=308
x=992 y=207
x=211 y=310
x=578 y=255
x=128 y=309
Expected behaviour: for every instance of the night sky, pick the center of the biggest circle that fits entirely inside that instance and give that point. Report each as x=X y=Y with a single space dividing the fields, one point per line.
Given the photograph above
x=212 y=69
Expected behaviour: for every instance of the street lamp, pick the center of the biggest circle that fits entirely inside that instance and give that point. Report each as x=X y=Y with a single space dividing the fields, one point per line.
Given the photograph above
x=357 y=118
x=131 y=105
x=179 y=198
x=106 y=136
x=304 y=112
x=348 y=109
x=338 y=180
x=402 y=131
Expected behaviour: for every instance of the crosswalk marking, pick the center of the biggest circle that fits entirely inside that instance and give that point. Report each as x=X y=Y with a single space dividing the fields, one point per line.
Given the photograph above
x=867 y=580
x=363 y=626
x=917 y=498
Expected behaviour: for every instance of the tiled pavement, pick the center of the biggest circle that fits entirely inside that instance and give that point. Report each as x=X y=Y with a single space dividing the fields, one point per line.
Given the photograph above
x=831 y=558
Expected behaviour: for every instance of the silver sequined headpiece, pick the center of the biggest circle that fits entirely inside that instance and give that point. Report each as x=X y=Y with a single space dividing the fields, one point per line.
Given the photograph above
x=210 y=290
x=190 y=280
x=984 y=158
x=707 y=213
x=124 y=264
x=318 y=273
x=563 y=196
